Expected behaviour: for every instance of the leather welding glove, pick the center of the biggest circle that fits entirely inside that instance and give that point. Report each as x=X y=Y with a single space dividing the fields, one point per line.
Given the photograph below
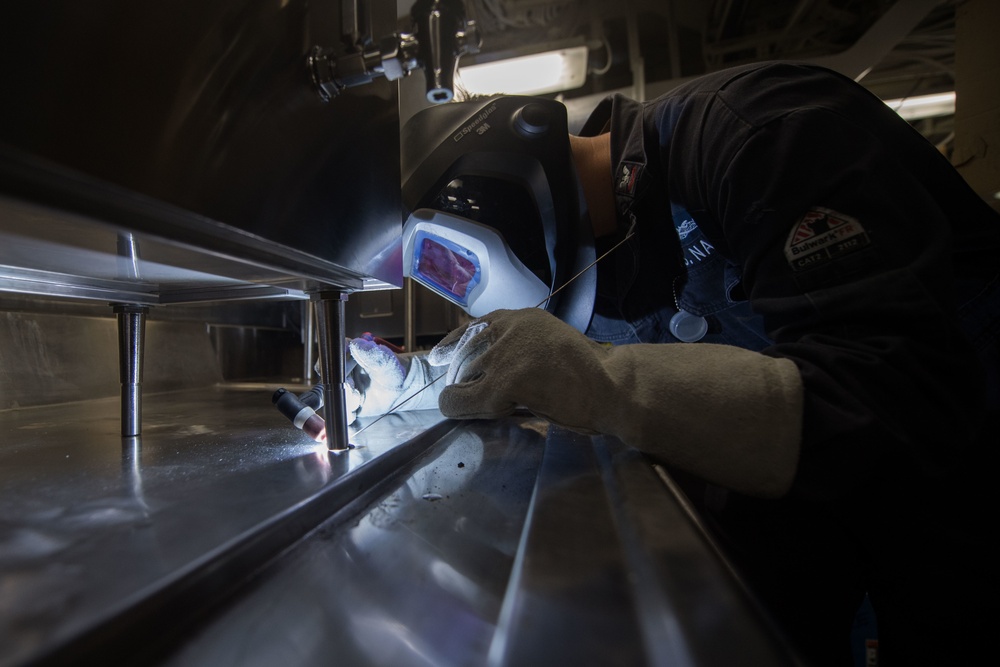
x=728 y=415
x=383 y=380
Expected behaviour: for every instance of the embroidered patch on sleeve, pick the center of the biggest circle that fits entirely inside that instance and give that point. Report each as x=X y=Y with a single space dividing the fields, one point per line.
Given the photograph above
x=627 y=181
x=822 y=235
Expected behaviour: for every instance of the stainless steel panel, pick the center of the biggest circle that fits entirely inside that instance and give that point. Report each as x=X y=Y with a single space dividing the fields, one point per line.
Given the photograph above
x=192 y=125
x=51 y=359
x=417 y=578
x=225 y=537
x=613 y=570
x=464 y=563
x=106 y=543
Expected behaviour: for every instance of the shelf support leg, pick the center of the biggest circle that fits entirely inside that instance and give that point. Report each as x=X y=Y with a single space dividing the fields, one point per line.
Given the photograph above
x=131 y=342
x=331 y=320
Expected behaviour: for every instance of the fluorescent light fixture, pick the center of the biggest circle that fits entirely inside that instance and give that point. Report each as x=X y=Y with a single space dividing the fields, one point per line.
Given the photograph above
x=924 y=106
x=548 y=72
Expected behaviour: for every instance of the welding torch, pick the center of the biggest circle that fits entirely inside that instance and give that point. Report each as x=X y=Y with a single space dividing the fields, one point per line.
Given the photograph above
x=302 y=409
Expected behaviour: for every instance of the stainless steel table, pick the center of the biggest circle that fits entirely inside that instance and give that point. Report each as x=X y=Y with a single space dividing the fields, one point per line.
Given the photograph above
x=226 y=537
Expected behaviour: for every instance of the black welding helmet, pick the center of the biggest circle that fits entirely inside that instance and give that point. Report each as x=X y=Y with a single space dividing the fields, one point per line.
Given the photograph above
x=496 y=215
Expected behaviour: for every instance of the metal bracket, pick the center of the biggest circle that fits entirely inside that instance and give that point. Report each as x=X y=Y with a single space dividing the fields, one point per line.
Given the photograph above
x=442 y=33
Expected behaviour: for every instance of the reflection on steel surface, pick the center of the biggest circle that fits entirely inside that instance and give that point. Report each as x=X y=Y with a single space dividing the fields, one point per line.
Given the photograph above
x=99 y=531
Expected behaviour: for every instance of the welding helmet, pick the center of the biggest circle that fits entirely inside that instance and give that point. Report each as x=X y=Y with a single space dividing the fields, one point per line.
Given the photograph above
x=495 y=213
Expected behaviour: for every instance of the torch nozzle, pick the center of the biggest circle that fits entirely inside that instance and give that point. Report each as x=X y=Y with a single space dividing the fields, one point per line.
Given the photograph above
x=300 y=414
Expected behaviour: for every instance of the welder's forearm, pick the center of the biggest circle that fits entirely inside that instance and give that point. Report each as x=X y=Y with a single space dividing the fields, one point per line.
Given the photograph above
x=730 y=416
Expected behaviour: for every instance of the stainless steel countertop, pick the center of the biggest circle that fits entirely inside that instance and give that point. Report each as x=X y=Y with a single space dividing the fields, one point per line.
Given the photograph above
x=90 y=521
x=226 y=537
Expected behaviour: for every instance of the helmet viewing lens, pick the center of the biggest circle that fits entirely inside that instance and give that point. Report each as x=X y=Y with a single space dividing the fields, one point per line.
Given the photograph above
x=445 y=267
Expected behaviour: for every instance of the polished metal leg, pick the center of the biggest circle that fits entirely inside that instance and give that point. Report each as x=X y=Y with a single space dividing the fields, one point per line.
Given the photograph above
x=330 y=318
x=409 y=315
x=131 y=339
x=309 y=341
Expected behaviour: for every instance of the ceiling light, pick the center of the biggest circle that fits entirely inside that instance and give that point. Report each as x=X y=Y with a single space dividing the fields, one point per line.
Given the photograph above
x=534 y=74
x=924 y=106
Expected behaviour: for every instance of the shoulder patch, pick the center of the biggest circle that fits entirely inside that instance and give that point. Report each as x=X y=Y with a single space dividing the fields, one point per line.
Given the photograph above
x=628 y=178
x=822 y=235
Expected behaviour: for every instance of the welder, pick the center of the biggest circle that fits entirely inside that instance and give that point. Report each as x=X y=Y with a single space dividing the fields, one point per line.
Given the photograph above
x=828 y=284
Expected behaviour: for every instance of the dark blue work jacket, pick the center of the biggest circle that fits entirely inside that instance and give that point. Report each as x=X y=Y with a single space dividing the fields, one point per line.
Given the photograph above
x=802 y=218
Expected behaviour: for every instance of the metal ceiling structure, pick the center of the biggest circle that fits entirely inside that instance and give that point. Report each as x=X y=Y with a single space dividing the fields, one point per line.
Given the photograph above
x=902 y=48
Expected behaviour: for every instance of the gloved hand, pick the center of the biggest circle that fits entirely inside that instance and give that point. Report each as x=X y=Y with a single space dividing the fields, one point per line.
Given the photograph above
x=728 y=415
x=383 y=380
